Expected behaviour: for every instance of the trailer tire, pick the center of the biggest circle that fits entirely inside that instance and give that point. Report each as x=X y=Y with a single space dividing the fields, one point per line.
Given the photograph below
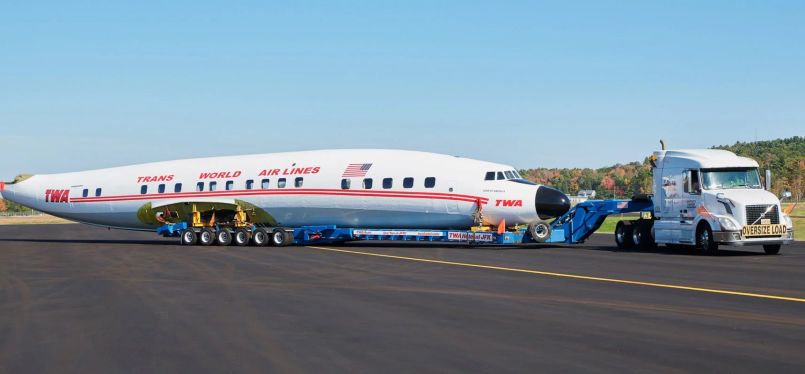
x=705 y=240
x=540 y=231
x=188 y=237
x=223 y=237
x=241 y=237
x=260 y=238
x=281 y=238
x=771 y=249
x=623 y=234
x=206 y=237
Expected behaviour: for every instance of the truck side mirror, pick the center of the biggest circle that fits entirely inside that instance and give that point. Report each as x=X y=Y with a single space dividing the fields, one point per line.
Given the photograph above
x=786 y=195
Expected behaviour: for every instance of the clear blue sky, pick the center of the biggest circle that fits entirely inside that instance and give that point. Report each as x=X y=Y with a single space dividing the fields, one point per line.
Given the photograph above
x=556 y=84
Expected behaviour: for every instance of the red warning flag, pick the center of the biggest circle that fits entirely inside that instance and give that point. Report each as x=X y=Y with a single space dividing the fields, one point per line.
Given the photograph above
x=502 y=226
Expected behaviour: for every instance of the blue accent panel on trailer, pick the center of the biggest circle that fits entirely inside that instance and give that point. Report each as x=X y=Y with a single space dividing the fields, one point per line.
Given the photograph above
x=586 y=217
x=171 y=229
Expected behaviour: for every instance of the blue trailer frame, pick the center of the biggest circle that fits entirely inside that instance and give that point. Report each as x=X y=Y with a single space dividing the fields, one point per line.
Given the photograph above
x=573 y=227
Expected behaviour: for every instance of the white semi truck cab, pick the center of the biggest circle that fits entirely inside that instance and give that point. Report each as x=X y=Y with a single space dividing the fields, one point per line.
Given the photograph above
x=711 y=197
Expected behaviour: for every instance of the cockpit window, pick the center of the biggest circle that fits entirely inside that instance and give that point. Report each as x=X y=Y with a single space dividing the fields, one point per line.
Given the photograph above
x=517 y=175
x=490 y=176
x=509 y=175
x=501 y=176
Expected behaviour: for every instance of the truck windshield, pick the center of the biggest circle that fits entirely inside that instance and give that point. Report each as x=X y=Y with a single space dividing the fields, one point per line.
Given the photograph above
x=718 y=179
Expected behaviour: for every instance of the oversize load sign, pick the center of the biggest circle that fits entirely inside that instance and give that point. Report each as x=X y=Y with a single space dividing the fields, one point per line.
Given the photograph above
x=476 y=236
x=763 y=230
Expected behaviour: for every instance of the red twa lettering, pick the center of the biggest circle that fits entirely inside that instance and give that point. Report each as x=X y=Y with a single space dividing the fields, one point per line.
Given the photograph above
x=509 y=203
x=57 y=196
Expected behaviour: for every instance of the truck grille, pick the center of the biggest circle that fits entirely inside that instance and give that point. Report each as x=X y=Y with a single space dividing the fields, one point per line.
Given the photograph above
x=753 y=212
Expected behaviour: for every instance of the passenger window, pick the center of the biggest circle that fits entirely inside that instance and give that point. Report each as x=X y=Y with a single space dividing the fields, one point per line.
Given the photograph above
x=408 y=182
x=249 y=184
x=490 y=176
x=281 y=183
x=430 y=182
x=264 y=184
x=161 y=188
x=345 y=183
x=200 y=186
x=367 y=183
x=509 y=175
x=97 y=192
x=230 y=185
x=298 y=182
x=501 y=176
x=143 y=189
x=85 y=193
x=213 y=186
x=388 y=183
x=177 y=187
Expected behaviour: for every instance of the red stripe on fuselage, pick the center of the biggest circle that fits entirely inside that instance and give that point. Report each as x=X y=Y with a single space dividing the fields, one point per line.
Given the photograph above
x=322 y=192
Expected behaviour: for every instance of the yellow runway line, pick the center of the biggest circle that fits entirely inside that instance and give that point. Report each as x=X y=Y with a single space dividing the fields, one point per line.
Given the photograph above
x=572 y=276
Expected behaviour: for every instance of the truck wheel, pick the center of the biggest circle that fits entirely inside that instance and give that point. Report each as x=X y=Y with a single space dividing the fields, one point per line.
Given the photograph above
x=623 y=235
x=772 y=249
x=540 y=231
x=241 y=237
x=281 y=238
x=260 y=238
x=705 y=241
x=641 y=235
x=206 y=237
x=223 y=237
x=188 y=237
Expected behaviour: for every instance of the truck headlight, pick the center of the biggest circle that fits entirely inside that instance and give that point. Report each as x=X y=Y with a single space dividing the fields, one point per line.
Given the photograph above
x=728 y=224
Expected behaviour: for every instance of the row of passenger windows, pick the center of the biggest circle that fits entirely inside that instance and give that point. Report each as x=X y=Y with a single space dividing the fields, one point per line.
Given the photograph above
x=502 y=175
x=85 y=193
x=388 y=183
x=228 y=185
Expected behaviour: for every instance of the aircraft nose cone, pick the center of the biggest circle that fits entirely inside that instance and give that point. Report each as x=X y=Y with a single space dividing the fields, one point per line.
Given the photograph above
x=551 y=202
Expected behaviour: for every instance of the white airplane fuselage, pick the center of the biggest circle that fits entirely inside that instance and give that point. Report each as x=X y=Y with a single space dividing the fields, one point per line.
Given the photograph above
x=347 y=188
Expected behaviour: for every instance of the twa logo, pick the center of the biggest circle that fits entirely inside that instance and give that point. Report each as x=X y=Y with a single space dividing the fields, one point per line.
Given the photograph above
x=57 y=196
x=509 y=203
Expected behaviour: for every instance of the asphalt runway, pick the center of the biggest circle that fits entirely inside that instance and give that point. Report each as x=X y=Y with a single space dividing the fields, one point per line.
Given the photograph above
x=76 y=298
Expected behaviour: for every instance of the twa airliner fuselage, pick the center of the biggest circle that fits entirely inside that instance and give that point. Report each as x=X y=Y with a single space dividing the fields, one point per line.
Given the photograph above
x=354 y=188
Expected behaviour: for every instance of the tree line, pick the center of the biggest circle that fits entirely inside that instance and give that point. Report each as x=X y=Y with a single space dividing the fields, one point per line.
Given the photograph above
x=784 y=157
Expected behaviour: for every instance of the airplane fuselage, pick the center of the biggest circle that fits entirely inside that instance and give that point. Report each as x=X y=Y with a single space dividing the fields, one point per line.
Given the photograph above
x=350 y=188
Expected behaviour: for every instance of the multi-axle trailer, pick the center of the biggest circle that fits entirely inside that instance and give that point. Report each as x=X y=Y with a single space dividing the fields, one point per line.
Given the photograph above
x=572 y=228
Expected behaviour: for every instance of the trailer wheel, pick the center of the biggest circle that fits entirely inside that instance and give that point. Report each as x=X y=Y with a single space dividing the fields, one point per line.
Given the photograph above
x=705 y=241
x=241 y=237
x=772 y=249
x=260 y=238
x=540 y=231
x=623 y=235
x=206 y=237
x=188 y=237
x=281 y=238
x=223 y=237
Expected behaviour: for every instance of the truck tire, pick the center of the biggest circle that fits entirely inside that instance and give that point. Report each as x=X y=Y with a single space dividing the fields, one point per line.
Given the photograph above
x=281 y=238
x=241 y=237
x=188 y=237
x=641 y=235
x=623 y=235
x=260 y=238
x=223 y=237
x=705 y=241
x=206 y=237
x=771 y=249
x=540 y=231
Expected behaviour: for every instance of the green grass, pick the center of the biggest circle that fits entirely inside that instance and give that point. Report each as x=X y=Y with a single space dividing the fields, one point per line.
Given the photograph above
x=33 y=220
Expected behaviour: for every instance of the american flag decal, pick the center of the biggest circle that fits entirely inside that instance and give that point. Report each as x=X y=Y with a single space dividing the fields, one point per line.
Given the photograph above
x=356 y=170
